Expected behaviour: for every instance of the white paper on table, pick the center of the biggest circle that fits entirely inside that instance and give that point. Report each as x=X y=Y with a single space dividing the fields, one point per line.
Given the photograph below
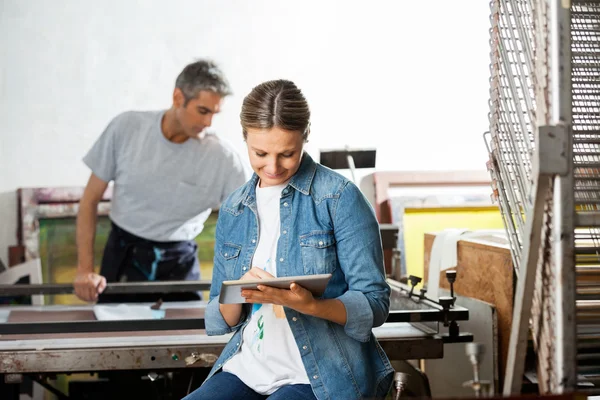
x=4 y=315
x=122 y=312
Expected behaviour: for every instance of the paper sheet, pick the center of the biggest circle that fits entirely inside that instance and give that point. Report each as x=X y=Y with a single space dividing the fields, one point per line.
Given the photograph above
x=121 y=312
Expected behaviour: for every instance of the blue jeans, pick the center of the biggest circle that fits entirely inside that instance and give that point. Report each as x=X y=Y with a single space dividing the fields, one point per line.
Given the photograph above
x=226 y=386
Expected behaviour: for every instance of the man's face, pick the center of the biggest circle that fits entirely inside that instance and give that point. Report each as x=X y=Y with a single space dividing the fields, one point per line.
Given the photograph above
x=275 y=154
x=195 y=116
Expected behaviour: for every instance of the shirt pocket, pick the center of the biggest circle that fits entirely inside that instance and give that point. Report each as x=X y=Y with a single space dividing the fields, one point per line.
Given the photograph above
x=229 y=253
x=318 y=252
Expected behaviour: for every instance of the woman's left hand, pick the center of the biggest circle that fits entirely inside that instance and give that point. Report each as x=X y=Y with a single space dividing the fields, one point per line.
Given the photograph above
x=297 y=297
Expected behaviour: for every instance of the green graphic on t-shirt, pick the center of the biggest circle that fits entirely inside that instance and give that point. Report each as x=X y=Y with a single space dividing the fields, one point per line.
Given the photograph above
x=261 y=331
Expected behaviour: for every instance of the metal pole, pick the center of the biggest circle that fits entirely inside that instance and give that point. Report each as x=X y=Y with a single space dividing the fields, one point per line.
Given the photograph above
x=565 y=355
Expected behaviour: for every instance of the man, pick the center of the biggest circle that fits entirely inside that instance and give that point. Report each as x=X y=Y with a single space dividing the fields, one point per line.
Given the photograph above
x=168 y=175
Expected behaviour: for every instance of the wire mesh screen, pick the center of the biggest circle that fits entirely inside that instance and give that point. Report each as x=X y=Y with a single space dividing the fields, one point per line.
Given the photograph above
x=585 y=43
x=512 y=113
x=526 y=93
x=585 y=68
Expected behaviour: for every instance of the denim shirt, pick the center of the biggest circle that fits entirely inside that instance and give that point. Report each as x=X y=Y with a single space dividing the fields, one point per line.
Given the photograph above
x=327 y=226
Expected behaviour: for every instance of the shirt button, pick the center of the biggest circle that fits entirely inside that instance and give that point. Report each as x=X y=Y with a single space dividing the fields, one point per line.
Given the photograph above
x=294 y=319
x=285 y=204
x=253 y=241
x=244 y=268
x=225 y=254
x=285 y=232
x=304 y=347
x=285 y=191
x=320 y=243
x=281 y=260
x=315 y=376
x=237 y=344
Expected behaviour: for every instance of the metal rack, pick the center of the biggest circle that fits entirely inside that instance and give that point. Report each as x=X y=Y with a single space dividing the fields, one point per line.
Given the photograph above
x=545 y=111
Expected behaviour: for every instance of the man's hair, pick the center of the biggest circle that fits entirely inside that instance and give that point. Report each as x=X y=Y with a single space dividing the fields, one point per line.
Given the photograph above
x=202 y=75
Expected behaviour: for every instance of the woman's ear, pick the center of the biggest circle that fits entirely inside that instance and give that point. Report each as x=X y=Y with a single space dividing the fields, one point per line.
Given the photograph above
x=306 y=133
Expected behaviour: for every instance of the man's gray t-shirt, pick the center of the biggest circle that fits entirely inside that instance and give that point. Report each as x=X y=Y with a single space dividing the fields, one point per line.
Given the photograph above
x=163 y=191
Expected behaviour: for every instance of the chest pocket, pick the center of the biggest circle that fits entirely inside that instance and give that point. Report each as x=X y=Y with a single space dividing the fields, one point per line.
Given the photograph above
x=318 y=252
x=230 y=254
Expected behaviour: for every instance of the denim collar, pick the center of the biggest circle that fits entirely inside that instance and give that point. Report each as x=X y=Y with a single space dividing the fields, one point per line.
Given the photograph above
x=303 y=178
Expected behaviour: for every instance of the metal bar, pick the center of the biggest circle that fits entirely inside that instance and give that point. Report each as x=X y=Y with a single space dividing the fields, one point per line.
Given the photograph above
x=515 y=364
x=111 y=358
x=59 y=395
x=587 y=219
x=111 y=288
x=565 y=374
x=172 y=357
x=549 y=160
x=16 y=328
x=410 y=316
x=428 y=315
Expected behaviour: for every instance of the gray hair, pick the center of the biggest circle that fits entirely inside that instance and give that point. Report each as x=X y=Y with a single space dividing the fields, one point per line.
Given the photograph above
x=277 y=103
x=202 y=75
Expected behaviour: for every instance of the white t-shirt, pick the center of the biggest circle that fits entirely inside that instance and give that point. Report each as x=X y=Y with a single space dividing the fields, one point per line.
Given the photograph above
x=269 y=357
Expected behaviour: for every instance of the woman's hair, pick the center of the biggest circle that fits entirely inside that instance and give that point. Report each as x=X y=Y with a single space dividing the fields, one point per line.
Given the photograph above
x=277 y=103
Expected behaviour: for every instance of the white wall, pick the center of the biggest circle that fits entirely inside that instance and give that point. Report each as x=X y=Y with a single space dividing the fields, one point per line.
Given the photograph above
x=411 y=73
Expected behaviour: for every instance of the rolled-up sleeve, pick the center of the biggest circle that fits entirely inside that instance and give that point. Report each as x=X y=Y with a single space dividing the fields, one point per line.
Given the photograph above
x=360 y=256
x=213 y=319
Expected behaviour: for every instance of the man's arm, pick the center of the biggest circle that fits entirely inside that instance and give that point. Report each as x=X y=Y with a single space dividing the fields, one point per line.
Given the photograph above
x=87 y=283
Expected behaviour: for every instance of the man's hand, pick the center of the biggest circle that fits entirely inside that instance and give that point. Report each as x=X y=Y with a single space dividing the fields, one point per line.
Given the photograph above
x=297 y=297
x=88 y=285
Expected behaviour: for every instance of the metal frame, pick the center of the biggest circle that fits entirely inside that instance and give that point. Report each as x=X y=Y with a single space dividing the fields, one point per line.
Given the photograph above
x=111 y=288
x=539 y=54
x=413 y=339
x=32 y=328
x=563 y=240
x=412 y=309
x=170 y=357
x=545 y=169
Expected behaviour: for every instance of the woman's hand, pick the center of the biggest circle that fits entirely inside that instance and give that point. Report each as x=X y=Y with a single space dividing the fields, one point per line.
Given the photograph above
x=232 y=312
x=256 y=273
x=297 y=297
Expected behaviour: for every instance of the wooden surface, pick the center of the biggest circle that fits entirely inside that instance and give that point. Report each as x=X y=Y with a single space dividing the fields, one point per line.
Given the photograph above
x=484 y=272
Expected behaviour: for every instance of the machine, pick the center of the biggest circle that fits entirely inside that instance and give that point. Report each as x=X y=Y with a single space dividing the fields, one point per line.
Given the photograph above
x=38 y=343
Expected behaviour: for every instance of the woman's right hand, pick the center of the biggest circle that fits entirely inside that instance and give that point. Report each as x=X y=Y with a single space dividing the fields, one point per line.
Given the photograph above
x=232 y=312
x=256 y=273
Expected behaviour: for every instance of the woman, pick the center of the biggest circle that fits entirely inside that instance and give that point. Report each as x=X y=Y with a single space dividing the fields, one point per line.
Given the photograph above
x=296 y=217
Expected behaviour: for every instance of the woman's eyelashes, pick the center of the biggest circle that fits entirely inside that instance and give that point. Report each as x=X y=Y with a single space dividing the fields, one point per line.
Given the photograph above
x=285 y=155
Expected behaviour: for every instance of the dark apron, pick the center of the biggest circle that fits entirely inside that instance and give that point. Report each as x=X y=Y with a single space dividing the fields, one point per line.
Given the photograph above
x=130 y=258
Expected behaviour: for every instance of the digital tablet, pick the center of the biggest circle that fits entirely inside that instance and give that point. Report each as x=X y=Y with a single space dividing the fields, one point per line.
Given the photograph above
x=231 y=291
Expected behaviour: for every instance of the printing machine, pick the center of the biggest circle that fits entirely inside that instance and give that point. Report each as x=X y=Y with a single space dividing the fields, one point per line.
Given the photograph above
x=37 y=343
